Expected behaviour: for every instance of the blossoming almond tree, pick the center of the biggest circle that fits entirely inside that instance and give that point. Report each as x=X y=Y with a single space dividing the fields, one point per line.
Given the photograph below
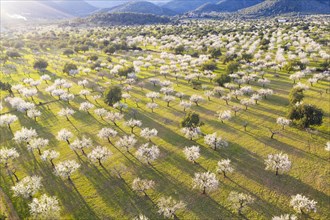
x=279 y=163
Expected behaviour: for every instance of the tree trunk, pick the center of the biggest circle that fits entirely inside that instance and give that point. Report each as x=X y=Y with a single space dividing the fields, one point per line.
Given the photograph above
x=39 y=151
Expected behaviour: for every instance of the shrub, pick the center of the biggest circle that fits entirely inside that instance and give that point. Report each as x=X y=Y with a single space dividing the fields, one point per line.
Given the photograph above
x=296 y=95
x=40 y=64
x=68 y=67
x=191 y=120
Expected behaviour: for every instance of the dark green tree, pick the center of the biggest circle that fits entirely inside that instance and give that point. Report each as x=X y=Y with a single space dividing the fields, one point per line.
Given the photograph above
x=113 y=95
x=232 y=67
x=40 y=64
x=68 y=67
x=222 y=79
x=296 y=95
x=306 y=115
x=191 y=120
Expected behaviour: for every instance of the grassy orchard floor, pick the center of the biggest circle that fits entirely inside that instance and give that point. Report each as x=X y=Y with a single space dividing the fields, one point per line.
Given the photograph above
x=98 y=193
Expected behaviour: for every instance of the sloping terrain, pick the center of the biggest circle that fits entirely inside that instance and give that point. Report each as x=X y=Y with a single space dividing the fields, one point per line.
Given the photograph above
x=227 y=6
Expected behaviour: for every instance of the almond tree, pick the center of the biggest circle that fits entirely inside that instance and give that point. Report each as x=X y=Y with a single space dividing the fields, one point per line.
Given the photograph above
x=191 y=132
x=152 y=106
x=81 y=144
x=66 y=168
x=86 y=106
x=283 y=122
x=7 y=120
x=7 y=155
x=107 y=133
x=99 y=154
x=45 y=207
x=205 y=181
x=64 y=135
x=168 y=99
x=239 y=201
x=147 y=154
x=149 y=133
x=37 y=143
x=327 y=146
x=101 y=112
x=50 y=155
x=215 y=141
x=196 y=99
x=168 y=206
x=33 y=113
x=66 y=112
x=152 y=96
x=192 y=153
x=27 y=187
x=279 y=163
x=114 y=117
x=185 y=105
x=132 y=123
x=247 y=103
x=127 y=142
x=224 y=166
x=224 y=115
x=302 y=204
x=25 y=135
x=142 y=185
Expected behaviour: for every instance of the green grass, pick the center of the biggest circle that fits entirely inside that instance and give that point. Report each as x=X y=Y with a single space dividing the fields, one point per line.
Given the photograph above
x=97 y=193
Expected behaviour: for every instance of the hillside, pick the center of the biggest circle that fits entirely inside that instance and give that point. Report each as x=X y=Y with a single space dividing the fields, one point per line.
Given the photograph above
x=227 y=6
x=124 y=19
x=277 y=7
x=182 y=6
x=140 y=7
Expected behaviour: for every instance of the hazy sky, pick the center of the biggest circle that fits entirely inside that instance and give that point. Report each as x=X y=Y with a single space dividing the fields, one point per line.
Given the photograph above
x=110 y=3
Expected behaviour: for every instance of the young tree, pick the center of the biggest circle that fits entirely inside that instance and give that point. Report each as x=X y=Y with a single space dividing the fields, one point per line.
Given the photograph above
x=302 y=204
x=86 y=106
x=279 y=163
x=152 y=96
x=185 y=105
x=215 y=141
x=132 y=123
x=66 y=168
x=168 y=99
x=66 y=112
x=121 y=106
x=191 y=132
x=99 y=154
x=152 y=106
x=37 y=143
x=81 y=144
x=50 y=155
x=283 y=122
x=247 y=103
x=224 y=115
x=114 y=116
x=127 y=142
x=107 y=133
x=147 y=154
x=7 y=155
x=64 y=135
x=192 y=153
x=168 y=206
x=113 y=95
x=25 y=135
x=149 y=133
x=205 y=181
x=224 y=166
x=239 y=201
x=45 y=207
x=33 y=113
x=27 y=187
x=142 y=185
x=196 y=99
x=7 y=120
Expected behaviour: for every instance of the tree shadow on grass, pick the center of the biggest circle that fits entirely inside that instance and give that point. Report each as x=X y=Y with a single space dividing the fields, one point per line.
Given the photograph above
x=251 y=165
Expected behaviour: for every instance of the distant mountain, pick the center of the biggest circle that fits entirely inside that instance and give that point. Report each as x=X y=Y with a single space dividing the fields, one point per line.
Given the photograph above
x=278 y=7
x=32 y=10
x=226 y=6
x=140 y=7
x=107 y=19
x=182 y=6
